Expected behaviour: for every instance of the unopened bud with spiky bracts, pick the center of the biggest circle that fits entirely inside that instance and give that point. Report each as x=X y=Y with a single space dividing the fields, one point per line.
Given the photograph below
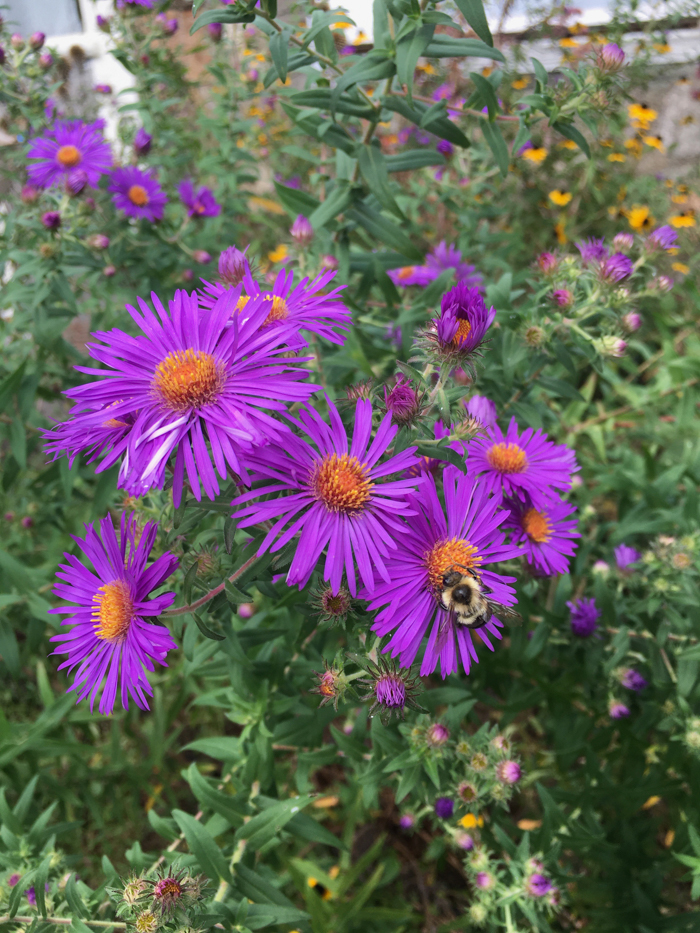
x=404 y=402
x=175 y=890
x=458 y=332
x=330 y=606
x=135 y=889
x=332 y=684
x=391 y=689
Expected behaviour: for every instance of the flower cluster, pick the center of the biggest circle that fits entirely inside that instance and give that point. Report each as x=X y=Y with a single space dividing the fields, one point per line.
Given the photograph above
x=167 y=899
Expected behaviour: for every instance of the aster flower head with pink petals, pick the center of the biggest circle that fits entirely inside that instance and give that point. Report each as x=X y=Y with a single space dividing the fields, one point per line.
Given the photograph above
x=547 y=535
x=110 y=641
x=305 y=306
x=191 y=386
x=526 y=466
x=465 y=532
x=137 y=193
x=67 y=147
x=330 y=491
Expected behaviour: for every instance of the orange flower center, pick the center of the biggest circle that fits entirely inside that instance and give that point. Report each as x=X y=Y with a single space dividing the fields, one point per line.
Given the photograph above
x=456 y=552
x=463 y=331
x=507 y=458
x=188 y=379
x=279 y=311
x=406 y=272
x=68 y=156
x=138 y=195
x=113 y=610
x=536 y=526
x=341 y=483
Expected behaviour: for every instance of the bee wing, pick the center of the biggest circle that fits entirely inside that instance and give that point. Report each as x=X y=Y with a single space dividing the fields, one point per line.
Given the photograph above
x=504 y=613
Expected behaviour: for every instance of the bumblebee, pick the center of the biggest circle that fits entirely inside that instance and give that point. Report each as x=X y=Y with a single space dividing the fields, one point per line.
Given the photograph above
x=463 y=597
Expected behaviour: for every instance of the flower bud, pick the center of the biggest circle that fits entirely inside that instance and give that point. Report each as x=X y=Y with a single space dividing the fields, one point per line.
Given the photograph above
x=187 y=275
x=109 y=271
x=201 y=256
x=332 y=684
x=17 y=42
x=76 y=181
x=103 y=23
x=464 y=841
x=29 y=194
x=36 y=40
x=407 y=821
x=618 y=710
x=611 y=346
x=142 y=142
x=534 y=336
x=51 y=220
x=27 y=521
x=329 y=262
x=233 y=266
x=610 y=58
x=508 y=772
x=601 y=568
x=632 y=321
x=168 y=26
x=445 y=148
x=692 y=739
x=302 y=231
x=563 y=297
x=623 y=241
x=45 y=61
x=98 y=241
x=103 y=89
x=437 y=735
x=402 y=401
x=663 y=283
x=246 y=610
x=547 y=262
x=478 y=914
x=444 y=807
x=214 y=30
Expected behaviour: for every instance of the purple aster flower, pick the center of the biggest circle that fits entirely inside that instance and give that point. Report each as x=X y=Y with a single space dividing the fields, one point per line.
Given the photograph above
x=199 y=203
x=610 y=57
x=623 y=241
x=335 y=497
x=14 y=879
x=433 y=540
x=633 y=680
x=215 y=31
x=538 y=885
x=527 y=467
x=508 y=772
x=67 y=147
x=148 y=4
x=303 y=307
x=625 y=556
x=618 y=710
x=407 y=821
x=110 y=642
x=302 y=231
x=137 y=193
x=142 y=142
x=482 y=409
x=484 y=880
x=547 y=262
x=546 y=534
x=103 y=88
x=444 y=147
x=662 y=238
x=584 y=617
x=616 y=268
x=193 y=385
x=461 y=327
x=169 y=26
x=464 y=841
x=443 y=257
x=51 y=220
x=593 y=250
x=444 y=807
x=403 y=401
x=411 y=275
x=443 y=92
x=202 y=256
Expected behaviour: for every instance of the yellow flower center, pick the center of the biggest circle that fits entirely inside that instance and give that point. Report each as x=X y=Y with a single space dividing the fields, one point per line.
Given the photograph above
x=463 y=331
x=536 y=526
x=188 y=379
x=68 y=156
x=507 y=458
x=138 y=195
x=279 y=311
x=455 y=552
x=113 y=610
x=341 y=483
x=406 y=272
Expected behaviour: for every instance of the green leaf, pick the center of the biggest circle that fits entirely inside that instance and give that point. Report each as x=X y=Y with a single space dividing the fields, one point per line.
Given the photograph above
x=321 y=21
x=261 y=916
x=320 y=98
x=409 y=778
x=75 y=901
x=440 y=125
x=188 y=583
x=373 y=168
x=205 y=630
x=266 y=825
x=222 y=747
x=296 y=202
x=487 y=94
x=537 y=642
x=384 y=230
x=408 y=50
x=558 y=387
x=293 y=63
x=372 y=67
x=10 y=384
x=9 y=649
x=257 y=888
x=473 y=12
x=220 y=16
x=164 y=828
x=209 y=796
x=279 y=50
x=202 y=846
x=306 y=827
x=414 y=158
x=449 y=47
x=570 y=132
x=540 y=73
x=335 y=204
x=497 y=145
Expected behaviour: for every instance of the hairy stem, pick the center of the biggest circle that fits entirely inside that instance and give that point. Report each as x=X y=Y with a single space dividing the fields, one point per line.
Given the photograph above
x=183 y=610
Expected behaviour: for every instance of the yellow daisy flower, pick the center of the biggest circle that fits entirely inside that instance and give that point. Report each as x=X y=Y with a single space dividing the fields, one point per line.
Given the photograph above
x=568 y=43
x=639 y=217
x=278 y=254
x=470 y=821
x=655 y=142
x=487 y=70
x=520 y=83
x=634 y=146
x=663 y=48
x=680 y=267
x=684 y=219
x=617 y=157
x=560 y=198
x=568 y=144
x=536 y=155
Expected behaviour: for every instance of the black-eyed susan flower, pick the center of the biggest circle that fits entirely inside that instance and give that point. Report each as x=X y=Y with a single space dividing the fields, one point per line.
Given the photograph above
x=617 y=157
x=536 y=154
x=641 y=113
x=520 y=83
x=684 y=219
x=559 y=197
x=639 y=217
x=656 y=142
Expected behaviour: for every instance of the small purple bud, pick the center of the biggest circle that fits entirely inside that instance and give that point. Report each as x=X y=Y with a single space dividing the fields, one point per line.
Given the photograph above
x=623 y=241
x=27 y=522
x=633 y=680
x=547 y=262
x=187 y=275
x=233 y=265
x=142 y=142
x=563 y=297
x=485 y=880
x=51 y=220
x=584 y=617
x=29 y=194
x=464 y=841
x=445 y=148
x=103 y=89
x=14 y=878
x=36 y=40
x=437 y=735
x=508 y=772
x=45 y=60
x=444 y=807
x=329 y=262
x=168 y=26
x=302 y=231
x=76 y=181
x=611 y=57
x=618 y=710
x=246 y=610
x=214 y=30
x=632 y=321
x=10 y=517
x=109 y=271
x=402 y=401
x=407 y=821
x=16 y=41
x=202 y=256
x=625 y=557
x=98 y=241
x=103 y=23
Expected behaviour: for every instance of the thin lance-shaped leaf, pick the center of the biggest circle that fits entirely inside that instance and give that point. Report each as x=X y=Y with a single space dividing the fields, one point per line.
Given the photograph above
x=373 y=167
x=474 y=13
x=335 y=203
x=414 y=158
x=570 y=131
x=497 y=145
x=220 y=16
x=279 y=50
x=486 y=93
x=320 y=20
x=440 y=125
x=202 y=846
x=320 y=98
x=266 y=825
x=408 y=51
x=386 y=231
x=443 y=46
x=370 y=68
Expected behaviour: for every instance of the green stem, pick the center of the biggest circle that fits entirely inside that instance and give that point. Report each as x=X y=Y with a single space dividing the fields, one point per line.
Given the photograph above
x=183 y=610
x=62 y=921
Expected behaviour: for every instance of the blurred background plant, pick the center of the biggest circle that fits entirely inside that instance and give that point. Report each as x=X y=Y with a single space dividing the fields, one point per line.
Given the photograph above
x=553 y=787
